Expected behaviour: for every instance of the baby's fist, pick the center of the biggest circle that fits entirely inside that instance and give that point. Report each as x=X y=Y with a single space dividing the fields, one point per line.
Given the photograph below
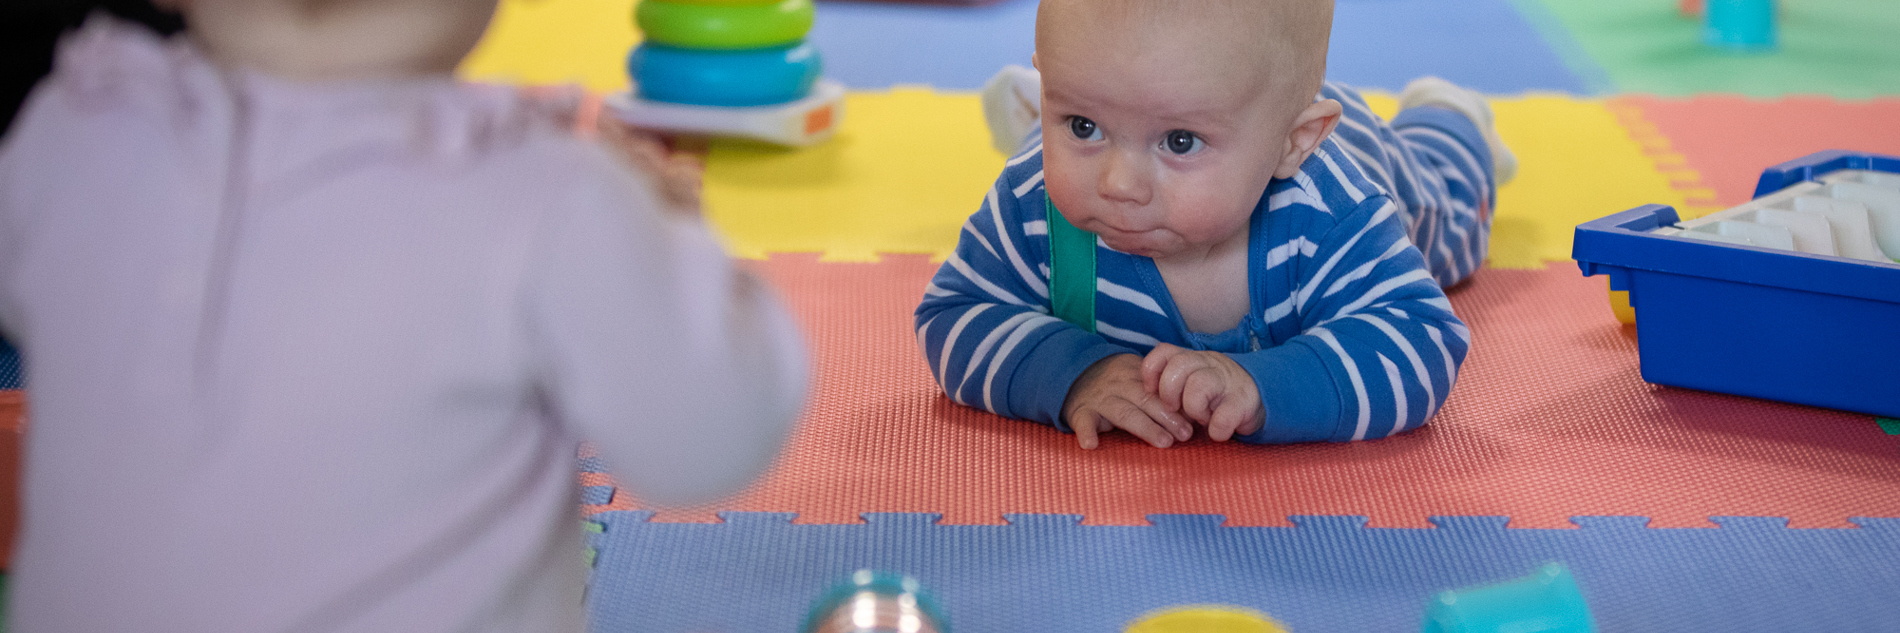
x=1208 y=387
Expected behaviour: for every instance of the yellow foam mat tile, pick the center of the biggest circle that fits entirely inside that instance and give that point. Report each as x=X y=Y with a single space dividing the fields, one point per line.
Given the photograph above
x=903 y=172
x=908 y=166
x=1576 y=162
x=1698 y=197
x=542 y=42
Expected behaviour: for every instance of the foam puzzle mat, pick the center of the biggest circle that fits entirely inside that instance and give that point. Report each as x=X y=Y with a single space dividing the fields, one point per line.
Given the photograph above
x=1838 y=48
x=761 y=571
x=1675 y=509
x=1550 y=420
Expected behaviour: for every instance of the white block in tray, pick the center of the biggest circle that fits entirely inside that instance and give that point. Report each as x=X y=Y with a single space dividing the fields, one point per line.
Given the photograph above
x=1853 y=235
x=1883 y=212
x=1744 y=233
x=1875 y=178
x=1812 y=234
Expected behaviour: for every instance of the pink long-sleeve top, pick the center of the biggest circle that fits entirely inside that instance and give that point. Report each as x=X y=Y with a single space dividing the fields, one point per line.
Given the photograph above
x=316 y=357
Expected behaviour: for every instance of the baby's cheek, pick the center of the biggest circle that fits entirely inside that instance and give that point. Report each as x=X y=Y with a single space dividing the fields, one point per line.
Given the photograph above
x=1067 y=194
x=1208 y=219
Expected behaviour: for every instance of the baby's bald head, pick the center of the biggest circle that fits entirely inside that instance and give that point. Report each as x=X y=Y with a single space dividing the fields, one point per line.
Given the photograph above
x=1276 y=46
x=1165 y=121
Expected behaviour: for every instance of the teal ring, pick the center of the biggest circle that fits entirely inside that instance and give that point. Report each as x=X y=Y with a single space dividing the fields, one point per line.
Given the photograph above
x=756 y=77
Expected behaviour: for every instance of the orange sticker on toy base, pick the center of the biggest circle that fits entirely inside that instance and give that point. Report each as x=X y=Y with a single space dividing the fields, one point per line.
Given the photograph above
x=818 y=120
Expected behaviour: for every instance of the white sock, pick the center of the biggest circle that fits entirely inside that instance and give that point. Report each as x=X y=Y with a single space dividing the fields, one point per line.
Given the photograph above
x=1012 y=105
x=1433 y=91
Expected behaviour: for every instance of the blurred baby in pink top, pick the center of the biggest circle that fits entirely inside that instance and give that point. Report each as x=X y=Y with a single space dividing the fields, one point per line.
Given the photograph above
x=313 y=330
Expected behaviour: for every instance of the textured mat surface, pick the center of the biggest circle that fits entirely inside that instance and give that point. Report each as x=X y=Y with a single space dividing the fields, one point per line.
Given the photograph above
x=10 y=370
x=1576 y=163
x=11 y=403
x=1550 y=420
x=1729 y=140
x=538 y=42
x=1483 y=44
x=761 y=572
x=906 y=168
x=1841 y=48
x=876 y=45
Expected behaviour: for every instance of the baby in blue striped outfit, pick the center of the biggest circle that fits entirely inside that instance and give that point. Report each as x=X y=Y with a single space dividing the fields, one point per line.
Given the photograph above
x=1247 y=259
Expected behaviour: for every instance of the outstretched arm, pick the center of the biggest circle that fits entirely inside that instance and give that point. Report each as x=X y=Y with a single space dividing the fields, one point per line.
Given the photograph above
x=685 y=372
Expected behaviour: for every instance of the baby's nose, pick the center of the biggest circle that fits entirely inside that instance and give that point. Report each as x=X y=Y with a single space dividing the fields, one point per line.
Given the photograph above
x=1127 y=178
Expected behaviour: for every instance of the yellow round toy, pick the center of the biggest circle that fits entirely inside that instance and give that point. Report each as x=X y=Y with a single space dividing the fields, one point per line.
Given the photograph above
x=1205 y=618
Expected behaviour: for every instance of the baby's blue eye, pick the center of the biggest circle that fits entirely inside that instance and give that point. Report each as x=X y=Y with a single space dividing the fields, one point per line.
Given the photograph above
x=1183 y=142
x=1083 y=128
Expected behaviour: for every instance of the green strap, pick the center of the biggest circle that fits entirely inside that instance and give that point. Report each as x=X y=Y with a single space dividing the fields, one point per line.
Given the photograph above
x=1071 y=270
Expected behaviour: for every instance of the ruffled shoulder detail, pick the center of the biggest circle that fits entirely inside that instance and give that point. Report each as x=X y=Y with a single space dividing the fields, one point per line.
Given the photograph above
x=108 y=61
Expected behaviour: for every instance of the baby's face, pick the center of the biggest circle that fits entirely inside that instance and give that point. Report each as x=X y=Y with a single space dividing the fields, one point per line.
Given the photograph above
x=1160 y=141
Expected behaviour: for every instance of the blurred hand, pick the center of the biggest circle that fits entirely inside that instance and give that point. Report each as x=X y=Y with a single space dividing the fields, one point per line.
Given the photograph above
x=675 y=173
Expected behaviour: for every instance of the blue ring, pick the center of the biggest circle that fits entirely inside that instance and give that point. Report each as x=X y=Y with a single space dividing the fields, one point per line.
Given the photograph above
x=750 y=77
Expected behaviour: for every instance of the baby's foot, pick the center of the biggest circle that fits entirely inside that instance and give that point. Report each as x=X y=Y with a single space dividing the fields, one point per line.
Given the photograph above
x=1012 y=105
x=1433 y=91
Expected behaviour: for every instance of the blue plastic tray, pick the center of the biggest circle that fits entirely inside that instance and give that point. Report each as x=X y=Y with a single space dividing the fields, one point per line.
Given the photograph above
x=1747 y=320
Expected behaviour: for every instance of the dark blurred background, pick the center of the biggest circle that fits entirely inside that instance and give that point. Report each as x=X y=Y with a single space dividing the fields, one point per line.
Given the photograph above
x=30 y=28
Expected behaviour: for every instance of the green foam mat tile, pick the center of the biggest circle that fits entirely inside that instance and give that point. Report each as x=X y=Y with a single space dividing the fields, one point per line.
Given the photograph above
x=1843 y=48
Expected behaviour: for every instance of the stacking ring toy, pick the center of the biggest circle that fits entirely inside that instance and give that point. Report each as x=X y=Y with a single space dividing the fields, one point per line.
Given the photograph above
x=763 y=76
x=692 y=25
x=1205 y=619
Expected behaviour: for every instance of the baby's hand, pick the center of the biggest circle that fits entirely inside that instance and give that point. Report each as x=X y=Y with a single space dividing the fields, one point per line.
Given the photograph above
x=675 y=173
x=1109 y=396
x=1209 y=387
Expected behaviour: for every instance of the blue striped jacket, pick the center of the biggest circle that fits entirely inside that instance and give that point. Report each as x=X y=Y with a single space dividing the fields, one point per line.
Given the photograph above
x=1348 y=336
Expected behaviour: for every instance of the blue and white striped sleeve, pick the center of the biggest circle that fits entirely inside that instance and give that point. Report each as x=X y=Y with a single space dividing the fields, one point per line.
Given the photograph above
x=1379 y=346
x=984 y=323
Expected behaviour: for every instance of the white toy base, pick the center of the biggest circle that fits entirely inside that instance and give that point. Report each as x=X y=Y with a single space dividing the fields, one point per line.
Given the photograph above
x=802 y=122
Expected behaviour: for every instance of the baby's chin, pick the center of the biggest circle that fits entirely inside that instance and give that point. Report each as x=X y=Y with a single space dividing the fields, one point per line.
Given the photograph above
x=1149 y=248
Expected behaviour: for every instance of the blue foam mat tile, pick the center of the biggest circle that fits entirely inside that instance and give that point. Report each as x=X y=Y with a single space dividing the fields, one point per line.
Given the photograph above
x=875 y=45
x=12 y=375
x=760 y=571
x=1487 y=45
x=597 y=495
x=592 y=465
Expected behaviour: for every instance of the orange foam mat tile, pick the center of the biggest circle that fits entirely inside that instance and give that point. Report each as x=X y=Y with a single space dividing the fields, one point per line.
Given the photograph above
x=1549 y=420
x=12 y=416
x=1728 y=140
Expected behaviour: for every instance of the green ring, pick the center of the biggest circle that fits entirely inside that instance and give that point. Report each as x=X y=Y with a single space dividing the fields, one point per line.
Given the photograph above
x=724 y=26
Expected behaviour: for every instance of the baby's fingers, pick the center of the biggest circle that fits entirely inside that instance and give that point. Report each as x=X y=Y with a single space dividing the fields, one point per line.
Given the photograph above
x=1176 y=377
x=1142 y=423
x=1233 y=417
x=1087 y=432
x=1155 y=363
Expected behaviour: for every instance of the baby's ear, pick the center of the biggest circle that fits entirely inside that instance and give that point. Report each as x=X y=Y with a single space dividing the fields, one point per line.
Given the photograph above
x=1310 y=128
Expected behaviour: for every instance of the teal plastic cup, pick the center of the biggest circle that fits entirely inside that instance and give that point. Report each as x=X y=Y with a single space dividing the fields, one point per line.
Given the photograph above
x=1740 y=25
